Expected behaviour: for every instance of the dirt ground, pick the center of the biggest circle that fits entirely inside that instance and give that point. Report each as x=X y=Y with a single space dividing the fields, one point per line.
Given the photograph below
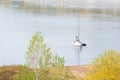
x=79 y=70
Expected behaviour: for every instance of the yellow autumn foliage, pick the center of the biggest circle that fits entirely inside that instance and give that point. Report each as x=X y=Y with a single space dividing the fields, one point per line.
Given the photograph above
x=105 y=67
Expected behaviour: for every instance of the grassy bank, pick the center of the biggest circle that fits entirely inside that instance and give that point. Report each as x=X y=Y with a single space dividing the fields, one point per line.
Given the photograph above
x=8 y=72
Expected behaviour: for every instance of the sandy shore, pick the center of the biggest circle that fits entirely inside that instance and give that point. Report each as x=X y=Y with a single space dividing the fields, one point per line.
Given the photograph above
x=79 y=70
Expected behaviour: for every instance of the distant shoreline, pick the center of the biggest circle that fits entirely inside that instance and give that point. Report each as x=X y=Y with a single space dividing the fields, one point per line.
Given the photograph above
x=59 y=9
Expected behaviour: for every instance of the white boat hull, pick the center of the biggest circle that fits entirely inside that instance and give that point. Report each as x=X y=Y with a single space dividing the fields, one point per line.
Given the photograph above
x=77 y=44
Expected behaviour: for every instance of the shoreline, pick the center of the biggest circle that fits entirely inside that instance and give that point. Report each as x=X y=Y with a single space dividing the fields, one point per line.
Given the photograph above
x=58 y=9
x=79 y=71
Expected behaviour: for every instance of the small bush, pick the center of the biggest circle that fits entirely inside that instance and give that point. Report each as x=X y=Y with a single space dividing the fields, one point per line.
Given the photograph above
x=105 y=67
x=8 y=72
x=25 y=73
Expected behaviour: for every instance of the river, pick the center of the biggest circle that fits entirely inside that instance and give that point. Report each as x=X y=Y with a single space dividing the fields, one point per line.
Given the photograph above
x=100 y=31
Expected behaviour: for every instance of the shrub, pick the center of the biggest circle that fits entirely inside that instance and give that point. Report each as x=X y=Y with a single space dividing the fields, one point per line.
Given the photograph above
x=105 y=67
x=45 y=66
x=25 y=73
x=8 y=72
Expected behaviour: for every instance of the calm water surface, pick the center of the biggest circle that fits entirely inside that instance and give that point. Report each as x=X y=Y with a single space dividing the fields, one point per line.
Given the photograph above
x=100 y=31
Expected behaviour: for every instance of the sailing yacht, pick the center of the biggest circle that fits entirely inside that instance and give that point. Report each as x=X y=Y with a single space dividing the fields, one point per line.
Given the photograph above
x=77 y=41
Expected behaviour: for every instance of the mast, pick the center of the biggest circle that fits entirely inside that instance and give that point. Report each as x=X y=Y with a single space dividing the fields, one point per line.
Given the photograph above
x=78 y=26
x=77 y=42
